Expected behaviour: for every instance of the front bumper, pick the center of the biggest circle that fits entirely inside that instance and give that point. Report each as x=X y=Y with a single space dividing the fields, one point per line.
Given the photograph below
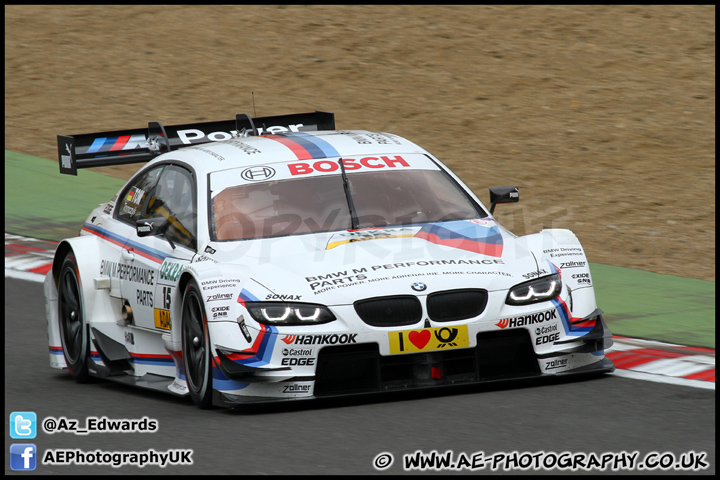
x=360 y=368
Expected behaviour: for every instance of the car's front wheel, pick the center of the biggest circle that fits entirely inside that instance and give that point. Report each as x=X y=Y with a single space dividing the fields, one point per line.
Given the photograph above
x=74 y=333
x=197 y=356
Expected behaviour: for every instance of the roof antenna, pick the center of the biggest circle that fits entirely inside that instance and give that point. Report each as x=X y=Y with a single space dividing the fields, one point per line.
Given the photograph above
x=253 y=98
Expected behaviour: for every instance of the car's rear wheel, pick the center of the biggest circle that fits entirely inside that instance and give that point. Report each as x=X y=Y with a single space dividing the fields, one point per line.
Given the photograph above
x=74 y=333
x=197 y=357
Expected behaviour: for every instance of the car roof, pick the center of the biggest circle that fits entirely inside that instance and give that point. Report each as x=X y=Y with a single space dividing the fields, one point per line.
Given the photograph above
x=306 y=146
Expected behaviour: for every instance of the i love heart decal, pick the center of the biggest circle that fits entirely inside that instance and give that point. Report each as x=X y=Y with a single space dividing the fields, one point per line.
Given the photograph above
x=419 y=338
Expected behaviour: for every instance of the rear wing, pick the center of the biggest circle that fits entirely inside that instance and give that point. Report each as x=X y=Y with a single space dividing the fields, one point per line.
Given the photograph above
x=121 y=147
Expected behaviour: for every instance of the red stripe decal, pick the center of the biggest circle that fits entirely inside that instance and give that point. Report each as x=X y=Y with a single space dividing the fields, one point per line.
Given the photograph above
x=463 y=244
x=297 y=149
x=150 y=355
x=587 y=323
x=143 y=254
x=130 y=249
x=251 y=351
x=103 y=236
x=120 y=142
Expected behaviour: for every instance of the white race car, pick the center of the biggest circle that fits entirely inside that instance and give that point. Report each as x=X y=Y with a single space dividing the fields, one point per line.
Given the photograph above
x=277 y=258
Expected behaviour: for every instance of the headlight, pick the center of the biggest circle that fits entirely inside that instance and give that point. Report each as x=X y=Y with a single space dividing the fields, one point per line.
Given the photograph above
x=289 y=313
x=538 y=290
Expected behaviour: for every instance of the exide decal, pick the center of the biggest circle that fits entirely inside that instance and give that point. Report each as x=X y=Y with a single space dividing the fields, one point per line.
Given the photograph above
x=349 y=164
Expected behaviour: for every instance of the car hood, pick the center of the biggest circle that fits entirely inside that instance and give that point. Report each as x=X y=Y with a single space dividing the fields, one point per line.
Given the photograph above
x=341 y=267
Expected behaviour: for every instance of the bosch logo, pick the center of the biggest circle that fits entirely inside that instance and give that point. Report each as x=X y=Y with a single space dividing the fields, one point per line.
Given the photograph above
x=257 y=174
x=419 y=287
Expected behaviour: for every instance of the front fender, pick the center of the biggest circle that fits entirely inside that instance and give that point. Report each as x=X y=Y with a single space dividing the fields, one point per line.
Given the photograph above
x=561 y=248
x=220 y=285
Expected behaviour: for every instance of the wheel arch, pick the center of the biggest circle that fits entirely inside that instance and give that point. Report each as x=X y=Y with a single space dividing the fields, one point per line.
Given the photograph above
x=60 y=253
x=89 y=247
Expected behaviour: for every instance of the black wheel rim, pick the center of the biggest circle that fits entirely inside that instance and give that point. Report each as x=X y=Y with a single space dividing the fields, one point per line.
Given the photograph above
x=71 y=316
x=194 y=343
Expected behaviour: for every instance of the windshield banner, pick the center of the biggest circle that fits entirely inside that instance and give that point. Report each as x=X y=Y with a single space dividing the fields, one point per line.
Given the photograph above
x=311 y=168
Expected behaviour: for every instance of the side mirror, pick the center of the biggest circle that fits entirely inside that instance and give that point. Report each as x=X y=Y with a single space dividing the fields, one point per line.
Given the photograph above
x=147 y=227
x=503 y=195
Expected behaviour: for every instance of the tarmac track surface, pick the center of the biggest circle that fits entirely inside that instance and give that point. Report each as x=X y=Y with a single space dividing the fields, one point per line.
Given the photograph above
x=608 y=414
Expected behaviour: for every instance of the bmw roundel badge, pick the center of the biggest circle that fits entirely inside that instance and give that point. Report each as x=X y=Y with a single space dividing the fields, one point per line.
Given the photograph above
x=419 y=287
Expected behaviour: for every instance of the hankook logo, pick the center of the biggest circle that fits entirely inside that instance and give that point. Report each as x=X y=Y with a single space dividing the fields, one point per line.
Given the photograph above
x=527 y=319
x=257 y=174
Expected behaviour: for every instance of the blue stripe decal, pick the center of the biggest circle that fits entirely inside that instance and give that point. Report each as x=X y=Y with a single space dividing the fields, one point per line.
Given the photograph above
x=105 y=233
x=462 y=229
x=265 y=351
x=96 y=145
x=109 y=142
x=224 y=384
x=126 y=241
x=169 y=362
x=246 y=296
x=553 y=268
x=563 y=316
x=317 y=147
x=565 y=319
x=153 y=361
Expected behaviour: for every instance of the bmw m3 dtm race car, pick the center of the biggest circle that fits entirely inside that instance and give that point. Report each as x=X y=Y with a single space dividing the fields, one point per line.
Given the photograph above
x=278 y=258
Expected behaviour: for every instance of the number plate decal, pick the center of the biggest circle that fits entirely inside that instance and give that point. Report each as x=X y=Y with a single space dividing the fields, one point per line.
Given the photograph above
x=429 y=339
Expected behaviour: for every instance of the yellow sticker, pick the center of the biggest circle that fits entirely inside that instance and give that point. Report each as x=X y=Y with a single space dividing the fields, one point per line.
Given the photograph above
x=429 y=339
x=162 y=319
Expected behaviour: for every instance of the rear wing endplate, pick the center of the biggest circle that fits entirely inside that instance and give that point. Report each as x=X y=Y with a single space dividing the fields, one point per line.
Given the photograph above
x=121 y=147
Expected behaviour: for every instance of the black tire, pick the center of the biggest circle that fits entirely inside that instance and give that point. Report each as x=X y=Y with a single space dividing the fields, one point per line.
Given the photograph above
x=197 y=356
x=74 y=333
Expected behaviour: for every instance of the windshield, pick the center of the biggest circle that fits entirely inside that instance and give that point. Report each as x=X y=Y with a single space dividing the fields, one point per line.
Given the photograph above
x=316 y=201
